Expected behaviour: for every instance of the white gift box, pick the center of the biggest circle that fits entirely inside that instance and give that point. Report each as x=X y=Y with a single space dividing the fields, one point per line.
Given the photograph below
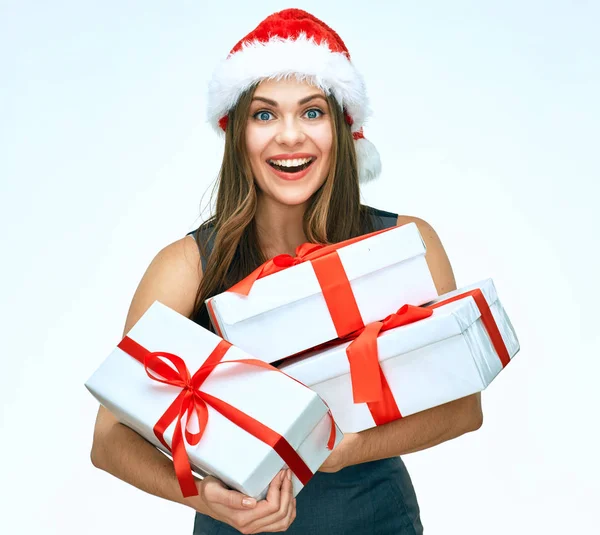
x=444 y=357
x=225 y=451
x=286 y=313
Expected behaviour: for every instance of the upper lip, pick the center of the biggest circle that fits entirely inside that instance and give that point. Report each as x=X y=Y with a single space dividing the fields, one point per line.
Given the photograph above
x=295 y=156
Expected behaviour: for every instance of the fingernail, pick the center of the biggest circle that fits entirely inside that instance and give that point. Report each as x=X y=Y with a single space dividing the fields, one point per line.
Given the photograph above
x=247 y=502
x=289 y=475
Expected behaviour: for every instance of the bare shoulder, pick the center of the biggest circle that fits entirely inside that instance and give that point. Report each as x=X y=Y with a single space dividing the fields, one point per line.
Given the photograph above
x=172 y=278
x=425 y=228
x=436 y=256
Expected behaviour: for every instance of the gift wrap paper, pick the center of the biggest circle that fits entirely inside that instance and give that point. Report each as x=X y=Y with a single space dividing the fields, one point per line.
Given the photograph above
x=225 y=451
x=427 y=363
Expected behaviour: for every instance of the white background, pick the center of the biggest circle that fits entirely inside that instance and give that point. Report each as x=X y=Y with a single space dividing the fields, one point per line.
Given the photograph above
x=486 y=117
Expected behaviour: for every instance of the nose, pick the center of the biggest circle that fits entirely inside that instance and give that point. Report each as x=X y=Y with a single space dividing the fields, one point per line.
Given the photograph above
x=290 y=132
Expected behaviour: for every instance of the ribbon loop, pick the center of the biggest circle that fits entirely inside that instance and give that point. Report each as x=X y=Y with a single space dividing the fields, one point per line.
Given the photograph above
x=283 y=261
x=197 y=406
x=178 y=377
x=406 y=315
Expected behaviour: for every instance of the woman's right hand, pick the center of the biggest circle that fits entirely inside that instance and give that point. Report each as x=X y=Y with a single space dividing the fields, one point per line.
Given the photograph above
x=275 y=513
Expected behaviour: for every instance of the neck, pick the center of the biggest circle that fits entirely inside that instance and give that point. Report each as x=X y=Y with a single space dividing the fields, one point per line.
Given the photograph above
x=279 y=227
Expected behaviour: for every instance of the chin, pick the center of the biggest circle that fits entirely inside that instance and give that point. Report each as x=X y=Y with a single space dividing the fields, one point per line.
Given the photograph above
x=292 y=194
x=293 y=200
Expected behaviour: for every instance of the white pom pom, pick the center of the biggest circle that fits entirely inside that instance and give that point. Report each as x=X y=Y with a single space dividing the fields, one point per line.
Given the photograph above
x=369 y=163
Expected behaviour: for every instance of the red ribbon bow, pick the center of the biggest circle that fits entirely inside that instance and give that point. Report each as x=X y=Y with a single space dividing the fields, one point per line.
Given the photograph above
x=330 y=273
x=284 y=261
x=192 y=400
x=367 y=377
x=306 y=252
x=369 y=384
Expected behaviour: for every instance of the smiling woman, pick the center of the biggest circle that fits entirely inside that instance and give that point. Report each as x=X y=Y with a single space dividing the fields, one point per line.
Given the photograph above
x=292 y=107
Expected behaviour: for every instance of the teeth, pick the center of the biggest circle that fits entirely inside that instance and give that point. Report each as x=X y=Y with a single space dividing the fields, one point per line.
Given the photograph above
x=291 y=163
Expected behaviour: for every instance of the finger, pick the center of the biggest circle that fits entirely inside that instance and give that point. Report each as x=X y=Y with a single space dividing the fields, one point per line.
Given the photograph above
x=293 y=513
x=265 y=508
x=274 y=492
x=287 y=493
x=267 y=522
x=250 y=521
x=284 y=524
x=216 y=493
x=281 y=525
x=289 y=518
x=278 y=518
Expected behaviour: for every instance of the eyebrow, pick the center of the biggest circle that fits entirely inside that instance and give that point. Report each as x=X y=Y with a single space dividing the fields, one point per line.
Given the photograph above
x=300 y=102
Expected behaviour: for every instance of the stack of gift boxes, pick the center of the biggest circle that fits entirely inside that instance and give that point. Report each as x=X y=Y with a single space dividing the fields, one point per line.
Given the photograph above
x=359 y=338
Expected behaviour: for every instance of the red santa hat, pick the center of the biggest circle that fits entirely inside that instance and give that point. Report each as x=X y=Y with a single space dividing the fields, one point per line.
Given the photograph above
x=292 y=42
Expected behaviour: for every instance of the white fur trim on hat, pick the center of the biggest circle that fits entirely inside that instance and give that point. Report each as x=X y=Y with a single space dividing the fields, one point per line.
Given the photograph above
x=281 y=58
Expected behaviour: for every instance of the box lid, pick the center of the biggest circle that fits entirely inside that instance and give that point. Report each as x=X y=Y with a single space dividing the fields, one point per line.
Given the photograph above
x=298 y=282
x=448 y=320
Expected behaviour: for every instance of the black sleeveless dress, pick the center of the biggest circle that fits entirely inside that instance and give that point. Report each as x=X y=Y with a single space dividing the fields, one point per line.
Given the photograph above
x=369 y=498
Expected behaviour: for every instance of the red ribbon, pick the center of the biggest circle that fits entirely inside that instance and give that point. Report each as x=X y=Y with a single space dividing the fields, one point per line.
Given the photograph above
x=304 y=253
x=192 y=400
x=486 y=318
x=359 y=134
x=369 y=384
x=330 y=273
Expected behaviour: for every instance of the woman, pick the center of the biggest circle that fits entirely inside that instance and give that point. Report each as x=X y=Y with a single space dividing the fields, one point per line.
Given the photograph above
x=292 y=107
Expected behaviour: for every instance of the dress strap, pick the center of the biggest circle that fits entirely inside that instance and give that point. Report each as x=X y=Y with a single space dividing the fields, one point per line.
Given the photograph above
x=381 y=219
x=204 y=236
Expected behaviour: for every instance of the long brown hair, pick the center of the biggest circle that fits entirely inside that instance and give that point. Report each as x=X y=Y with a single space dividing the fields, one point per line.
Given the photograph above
x=334 y=213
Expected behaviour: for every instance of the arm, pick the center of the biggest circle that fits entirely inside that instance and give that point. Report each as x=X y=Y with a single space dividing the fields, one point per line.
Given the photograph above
x=173 y=278
x=424 y=429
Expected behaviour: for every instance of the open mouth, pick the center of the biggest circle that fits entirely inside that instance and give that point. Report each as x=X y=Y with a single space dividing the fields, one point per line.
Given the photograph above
x=291 y=166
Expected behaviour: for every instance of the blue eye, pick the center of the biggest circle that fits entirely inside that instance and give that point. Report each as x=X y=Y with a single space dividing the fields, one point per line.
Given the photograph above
x=312 y=113
x=262 y=115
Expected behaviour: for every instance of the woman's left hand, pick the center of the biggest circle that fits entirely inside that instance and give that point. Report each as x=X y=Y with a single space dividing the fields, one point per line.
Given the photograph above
x=341 y=456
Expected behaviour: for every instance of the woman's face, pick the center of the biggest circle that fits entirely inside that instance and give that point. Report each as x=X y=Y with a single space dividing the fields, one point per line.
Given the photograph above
x=289 y=139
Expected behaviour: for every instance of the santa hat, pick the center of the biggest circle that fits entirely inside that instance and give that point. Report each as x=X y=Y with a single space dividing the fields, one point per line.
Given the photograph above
x=292 y=42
